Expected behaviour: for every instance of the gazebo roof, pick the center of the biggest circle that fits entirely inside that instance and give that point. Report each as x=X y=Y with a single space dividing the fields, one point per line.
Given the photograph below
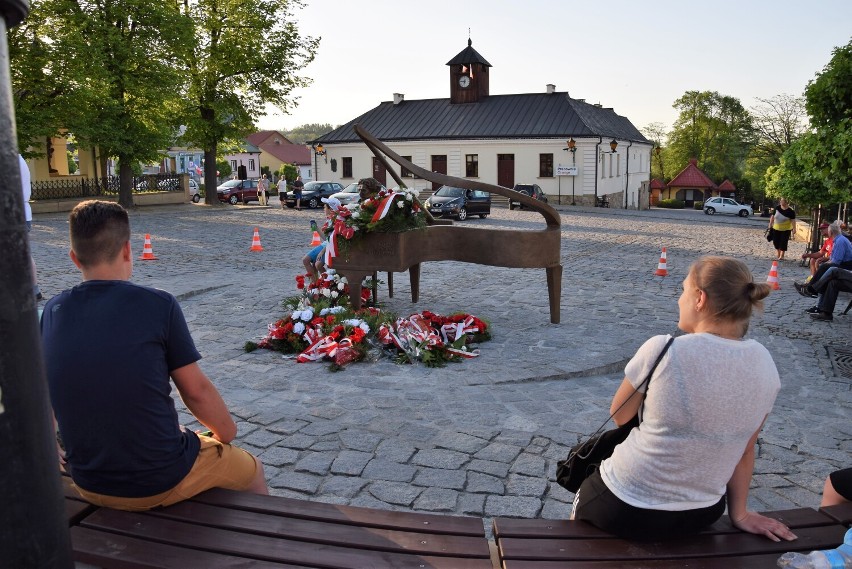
x=691 y=177
x=727 y=186
x=657 y=184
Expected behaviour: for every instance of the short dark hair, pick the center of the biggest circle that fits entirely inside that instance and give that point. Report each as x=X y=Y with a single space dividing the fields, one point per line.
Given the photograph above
x=99 y=230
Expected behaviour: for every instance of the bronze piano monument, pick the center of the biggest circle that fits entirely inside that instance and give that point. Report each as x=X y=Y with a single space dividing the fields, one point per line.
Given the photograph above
x=443 y=241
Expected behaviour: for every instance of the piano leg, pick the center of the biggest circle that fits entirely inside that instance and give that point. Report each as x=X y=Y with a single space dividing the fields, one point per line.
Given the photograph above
x=414 y=276
x=355 y=279
x=554 y=291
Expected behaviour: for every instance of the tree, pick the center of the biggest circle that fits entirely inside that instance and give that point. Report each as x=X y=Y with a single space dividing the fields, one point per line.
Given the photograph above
x=307 y=132
x=246 y=53
x=223 y=167
x=817 y=168
x=714 y=129
x=119 y=60
x=829 y=105
x=778 y=122
x=657 y=133
x=39 y=82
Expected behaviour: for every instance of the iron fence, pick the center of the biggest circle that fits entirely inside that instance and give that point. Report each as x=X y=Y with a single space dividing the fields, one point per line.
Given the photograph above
x=79 y=187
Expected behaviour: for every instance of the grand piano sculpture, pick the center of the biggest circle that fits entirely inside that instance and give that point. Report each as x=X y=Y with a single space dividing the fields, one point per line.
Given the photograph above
x=442 y=241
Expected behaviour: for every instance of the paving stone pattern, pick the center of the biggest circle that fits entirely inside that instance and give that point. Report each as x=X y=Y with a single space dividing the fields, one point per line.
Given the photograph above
x=481 y=437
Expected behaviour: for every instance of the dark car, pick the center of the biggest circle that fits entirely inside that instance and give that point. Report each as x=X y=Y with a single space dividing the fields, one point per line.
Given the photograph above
x=237 y=191
x=450 y=201
x=532 y=190
x=312 y=193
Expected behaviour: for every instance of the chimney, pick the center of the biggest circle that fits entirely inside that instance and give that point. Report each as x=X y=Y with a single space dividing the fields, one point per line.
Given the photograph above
x=551 y=88
x=398 y=98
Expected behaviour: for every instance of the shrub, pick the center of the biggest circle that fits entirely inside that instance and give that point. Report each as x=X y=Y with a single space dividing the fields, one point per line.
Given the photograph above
x=671 y=204
x=698 y=205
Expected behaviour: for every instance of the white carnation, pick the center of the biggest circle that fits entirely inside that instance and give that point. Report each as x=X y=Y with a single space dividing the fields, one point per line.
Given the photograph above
x=298 y=328
x=307 y=315
x=365 y=327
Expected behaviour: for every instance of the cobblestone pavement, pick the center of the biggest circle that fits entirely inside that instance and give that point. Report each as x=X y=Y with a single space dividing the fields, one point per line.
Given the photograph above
x=481 y=437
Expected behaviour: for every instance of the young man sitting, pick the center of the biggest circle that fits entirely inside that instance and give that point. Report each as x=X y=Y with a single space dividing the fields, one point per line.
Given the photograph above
x=110 y=348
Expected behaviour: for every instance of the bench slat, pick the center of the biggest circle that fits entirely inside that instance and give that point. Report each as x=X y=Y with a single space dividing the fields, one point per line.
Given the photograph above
x=115 y=551
x=325 y=532
x=75 y=510
x=841 y=512
x=426 y=523
x=147 y=527
x=718 y=545
x=514 y=527
x=750 y=562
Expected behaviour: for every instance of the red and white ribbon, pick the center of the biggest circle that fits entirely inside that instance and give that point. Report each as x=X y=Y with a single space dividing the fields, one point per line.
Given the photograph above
x=384 y=207
x=325 y=346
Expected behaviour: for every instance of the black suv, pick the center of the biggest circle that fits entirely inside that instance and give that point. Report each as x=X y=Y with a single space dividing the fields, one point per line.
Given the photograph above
x=532 y=190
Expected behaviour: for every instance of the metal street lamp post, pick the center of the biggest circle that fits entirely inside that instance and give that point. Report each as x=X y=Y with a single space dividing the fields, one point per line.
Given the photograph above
x=572 y=148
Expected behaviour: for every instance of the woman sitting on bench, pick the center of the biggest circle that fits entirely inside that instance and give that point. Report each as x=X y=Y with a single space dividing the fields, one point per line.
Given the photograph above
x=703 y=410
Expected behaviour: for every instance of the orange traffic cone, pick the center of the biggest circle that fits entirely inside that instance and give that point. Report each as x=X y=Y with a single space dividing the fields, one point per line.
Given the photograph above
x=147 y=250
x=661 y=267
x=316 y=239
x=255 y=241
x=772 y=279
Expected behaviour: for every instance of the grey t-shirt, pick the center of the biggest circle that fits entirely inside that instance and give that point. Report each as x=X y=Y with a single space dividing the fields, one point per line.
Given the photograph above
x=706 y=399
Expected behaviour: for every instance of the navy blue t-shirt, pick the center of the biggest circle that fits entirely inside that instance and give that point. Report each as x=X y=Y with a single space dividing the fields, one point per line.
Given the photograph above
x=109 y=348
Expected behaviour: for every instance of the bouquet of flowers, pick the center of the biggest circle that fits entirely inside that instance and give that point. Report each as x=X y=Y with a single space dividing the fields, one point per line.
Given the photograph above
x=388 y=211
x=434 y=339
x=321 y=326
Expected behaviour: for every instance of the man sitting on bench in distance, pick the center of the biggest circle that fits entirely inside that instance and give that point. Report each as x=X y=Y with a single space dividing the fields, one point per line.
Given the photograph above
x=110 y=347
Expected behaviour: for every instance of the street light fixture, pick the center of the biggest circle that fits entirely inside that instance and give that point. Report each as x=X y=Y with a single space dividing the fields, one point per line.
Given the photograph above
x=320 y=151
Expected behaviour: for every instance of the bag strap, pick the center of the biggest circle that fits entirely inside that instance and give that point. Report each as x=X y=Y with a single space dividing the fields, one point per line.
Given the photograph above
x=646 y=381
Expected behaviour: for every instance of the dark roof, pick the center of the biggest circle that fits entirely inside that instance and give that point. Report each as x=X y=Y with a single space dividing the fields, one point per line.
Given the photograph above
x=467 y=56
x=537 y=115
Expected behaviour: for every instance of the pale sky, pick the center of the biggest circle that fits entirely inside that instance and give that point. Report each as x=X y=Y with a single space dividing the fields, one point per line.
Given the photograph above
x=637 y=57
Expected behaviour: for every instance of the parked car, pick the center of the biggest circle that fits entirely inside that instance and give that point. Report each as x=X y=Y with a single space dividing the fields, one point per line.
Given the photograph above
x=194 y=194
x=349 y=194
x=237 y=191
x=313 y=192
x=726 y=205
x=450 y=201
x=532 y=190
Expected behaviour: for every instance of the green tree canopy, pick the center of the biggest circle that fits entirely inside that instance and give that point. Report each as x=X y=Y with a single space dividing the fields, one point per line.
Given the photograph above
x=817 y=168
x=246 y=53
x=779 y=121
x=117 y=63
x=307 y=132
x=714 y=129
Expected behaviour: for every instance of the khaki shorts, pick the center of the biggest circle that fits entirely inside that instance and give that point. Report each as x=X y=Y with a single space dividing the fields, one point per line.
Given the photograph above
x=218 y=465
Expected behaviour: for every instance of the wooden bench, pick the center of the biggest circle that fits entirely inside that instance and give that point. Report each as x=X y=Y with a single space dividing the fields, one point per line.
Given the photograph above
x=226 y=529
x=222 y=528
x=552 y=544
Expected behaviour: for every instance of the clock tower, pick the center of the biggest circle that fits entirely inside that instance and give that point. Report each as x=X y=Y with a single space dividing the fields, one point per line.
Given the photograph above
x=468 y=76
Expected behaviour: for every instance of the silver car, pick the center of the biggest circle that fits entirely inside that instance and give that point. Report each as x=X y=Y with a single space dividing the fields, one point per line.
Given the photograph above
x=349 y=194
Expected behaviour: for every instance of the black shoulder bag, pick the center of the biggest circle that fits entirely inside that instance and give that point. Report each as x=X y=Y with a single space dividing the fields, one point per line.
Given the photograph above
x=587 y=456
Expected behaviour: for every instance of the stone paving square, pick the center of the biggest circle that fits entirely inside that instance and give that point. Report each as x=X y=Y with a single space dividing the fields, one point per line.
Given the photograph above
x=481 y=437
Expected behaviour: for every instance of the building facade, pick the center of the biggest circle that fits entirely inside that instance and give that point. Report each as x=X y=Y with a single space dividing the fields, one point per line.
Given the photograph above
x=575 y=151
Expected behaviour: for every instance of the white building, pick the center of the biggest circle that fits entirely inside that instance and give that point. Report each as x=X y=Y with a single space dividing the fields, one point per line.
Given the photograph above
x=498 y=139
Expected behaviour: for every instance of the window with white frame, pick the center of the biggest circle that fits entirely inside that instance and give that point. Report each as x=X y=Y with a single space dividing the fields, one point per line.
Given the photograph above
x=251 y=164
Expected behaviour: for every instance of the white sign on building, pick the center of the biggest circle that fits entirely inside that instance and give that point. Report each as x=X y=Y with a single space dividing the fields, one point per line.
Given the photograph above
x=566 y=170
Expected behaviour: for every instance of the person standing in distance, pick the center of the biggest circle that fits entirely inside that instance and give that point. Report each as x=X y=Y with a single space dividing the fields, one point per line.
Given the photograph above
x=298 y=186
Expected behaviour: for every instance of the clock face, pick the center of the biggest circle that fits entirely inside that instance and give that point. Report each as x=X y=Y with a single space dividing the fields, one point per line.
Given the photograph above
x=464 y=81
